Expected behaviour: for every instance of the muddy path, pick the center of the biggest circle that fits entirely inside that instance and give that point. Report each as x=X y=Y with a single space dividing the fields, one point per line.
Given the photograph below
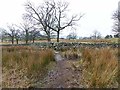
x=64 y=75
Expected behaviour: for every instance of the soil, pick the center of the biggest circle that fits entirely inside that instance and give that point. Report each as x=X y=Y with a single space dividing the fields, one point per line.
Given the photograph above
x=64 y=75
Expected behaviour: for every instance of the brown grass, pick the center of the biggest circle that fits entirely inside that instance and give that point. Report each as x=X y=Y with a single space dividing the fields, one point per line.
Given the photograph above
x=111 y=40
x=100 y=67
x=71 y=53
x=24 y=65
x=30 y=61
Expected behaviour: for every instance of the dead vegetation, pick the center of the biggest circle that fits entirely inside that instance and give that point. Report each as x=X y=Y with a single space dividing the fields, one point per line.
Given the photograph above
x=23 y=66
x=99 y=66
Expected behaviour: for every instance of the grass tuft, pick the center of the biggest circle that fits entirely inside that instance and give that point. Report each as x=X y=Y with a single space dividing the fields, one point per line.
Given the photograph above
x=18 y=58
x=100 y=67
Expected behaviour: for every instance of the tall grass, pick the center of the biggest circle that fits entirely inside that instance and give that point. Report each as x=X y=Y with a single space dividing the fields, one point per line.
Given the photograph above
x=71 y=54
x=100 y=67
x=32 y=61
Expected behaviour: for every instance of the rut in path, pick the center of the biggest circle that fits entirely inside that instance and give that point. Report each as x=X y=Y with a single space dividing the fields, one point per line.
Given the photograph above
x=63 y=75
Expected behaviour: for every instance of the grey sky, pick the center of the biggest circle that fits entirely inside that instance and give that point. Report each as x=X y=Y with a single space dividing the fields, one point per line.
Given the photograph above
x=98 y=14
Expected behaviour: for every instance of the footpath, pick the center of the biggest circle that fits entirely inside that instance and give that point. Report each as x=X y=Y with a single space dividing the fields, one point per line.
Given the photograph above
x=64 y=75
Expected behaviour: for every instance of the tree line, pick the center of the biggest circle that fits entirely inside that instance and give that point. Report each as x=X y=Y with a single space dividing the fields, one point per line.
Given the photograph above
x=50 y=17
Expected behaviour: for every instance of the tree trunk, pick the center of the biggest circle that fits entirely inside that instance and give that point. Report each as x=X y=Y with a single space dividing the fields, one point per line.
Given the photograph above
x=58 y=36
x=33 y=40
x=12 y=40
x=48 y=38
x=17 y=41
x=26 y=41
x=2 y=40
x=27 y=36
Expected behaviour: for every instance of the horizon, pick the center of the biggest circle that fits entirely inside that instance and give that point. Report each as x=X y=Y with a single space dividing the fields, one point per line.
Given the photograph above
x=98 y=15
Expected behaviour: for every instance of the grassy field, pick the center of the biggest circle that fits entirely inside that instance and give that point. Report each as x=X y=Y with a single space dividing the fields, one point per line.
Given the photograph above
x=22 y=66
x=99 y=66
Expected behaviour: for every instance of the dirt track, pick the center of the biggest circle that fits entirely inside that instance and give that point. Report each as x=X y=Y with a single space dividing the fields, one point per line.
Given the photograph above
x=64 y=75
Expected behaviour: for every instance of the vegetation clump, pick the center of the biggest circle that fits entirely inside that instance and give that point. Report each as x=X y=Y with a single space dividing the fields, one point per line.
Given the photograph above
x=23 y=65
x=100 y=67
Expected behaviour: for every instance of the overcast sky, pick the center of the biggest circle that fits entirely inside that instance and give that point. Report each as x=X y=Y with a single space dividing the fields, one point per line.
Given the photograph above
x=97 y=16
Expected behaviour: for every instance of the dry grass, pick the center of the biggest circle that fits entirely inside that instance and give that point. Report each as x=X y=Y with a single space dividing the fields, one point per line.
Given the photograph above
x=22 y=66
x=24 y=62
x=71 y=53
x=100 y=67
x=111 y=40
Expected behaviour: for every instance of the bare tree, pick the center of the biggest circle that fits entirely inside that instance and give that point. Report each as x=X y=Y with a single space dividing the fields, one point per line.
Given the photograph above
x=116 y=27
x=72 y=35
x=25 y=27
x=17 y=35
x=11 y=33
x=96 y=34
x=61 y=20
x=40 y=16
x=34 y=33
x=51 y=16
x=2 y=34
